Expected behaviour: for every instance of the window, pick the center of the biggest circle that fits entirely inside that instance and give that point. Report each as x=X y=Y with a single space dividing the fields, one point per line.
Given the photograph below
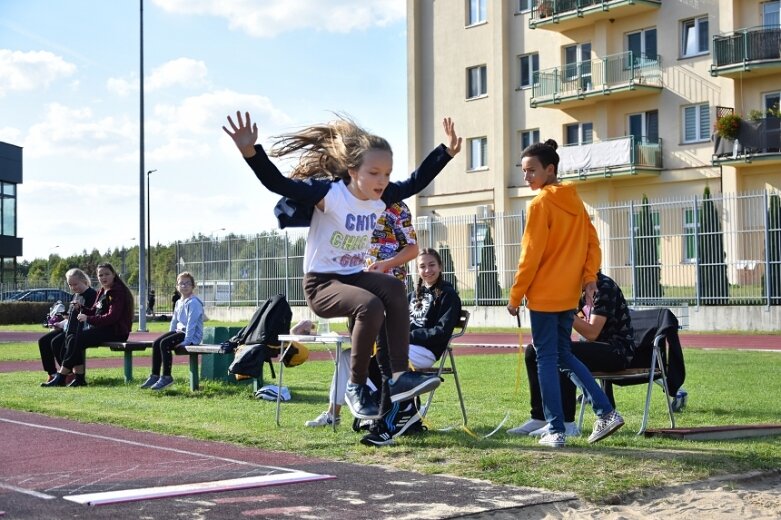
x=524 y=5
x=477 y=235
x=579 y=133
x=478 y=153
x=529 y=137
x=694 y=37
x=477 y=11
x=7 y=209
x=689 y=238
x=696 y=123
x=577 y=59
x=642 y=44
x=770 y=14
x=476 y=82
x=644 y=126
x=530 y=68
x=772 y=103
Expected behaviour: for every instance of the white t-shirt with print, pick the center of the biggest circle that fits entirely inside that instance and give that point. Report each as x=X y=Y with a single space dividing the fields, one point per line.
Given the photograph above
x=340 y=236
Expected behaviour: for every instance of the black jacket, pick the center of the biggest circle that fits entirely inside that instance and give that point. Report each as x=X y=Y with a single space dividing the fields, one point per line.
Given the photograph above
x=433 y=318
x=296 y=207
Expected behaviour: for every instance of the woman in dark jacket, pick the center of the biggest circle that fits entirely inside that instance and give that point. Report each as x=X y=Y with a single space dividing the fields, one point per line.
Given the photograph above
x=109 y=319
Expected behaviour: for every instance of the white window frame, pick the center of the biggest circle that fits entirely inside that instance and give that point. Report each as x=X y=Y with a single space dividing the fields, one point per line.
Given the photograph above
x=476 y=12
x=644 y=34
x=530 y=69
x=581 y=132
x=478 y=153
x=703 y=127
x=582 y=66
x=476 y=82
x=476 y=247
x=772 y=9
x=524 y=6
x=691 y=27
x=531 y=135
x=765 y=100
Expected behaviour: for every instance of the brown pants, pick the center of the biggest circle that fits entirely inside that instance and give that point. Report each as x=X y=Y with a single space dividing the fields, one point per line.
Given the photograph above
x=369 y=298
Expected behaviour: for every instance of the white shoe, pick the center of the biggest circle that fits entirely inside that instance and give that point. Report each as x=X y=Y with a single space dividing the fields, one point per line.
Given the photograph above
x=324 y=419
x=605 y=426
x=554 y=440
x=570 y=430
x=527 y=427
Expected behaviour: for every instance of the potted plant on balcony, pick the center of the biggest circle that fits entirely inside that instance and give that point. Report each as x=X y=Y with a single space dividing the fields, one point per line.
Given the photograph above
x=544 y=8
x=728 y=126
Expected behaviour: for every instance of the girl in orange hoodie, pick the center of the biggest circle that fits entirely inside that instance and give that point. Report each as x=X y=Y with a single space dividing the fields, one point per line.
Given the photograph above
x=560 y=257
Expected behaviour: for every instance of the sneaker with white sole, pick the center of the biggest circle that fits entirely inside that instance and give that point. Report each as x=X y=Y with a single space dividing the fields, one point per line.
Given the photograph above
x=528 y=427
x=324 y=419
x=605 y=426
x=570 y=430
x=150 y=381
x=360 y=401
x=411 y=384
x=404 y=422
x=553 y=439
x=163 y=382
x=378 y=435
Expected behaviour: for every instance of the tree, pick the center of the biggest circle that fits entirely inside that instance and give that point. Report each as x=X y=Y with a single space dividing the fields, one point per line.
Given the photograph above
x=489 y=292
x=648 y=273
x=448 y=267
x=774 y=249
x=714 y=285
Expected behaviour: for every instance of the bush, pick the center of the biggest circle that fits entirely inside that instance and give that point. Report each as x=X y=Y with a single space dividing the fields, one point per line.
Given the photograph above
x=17 y=313
x=728 y=126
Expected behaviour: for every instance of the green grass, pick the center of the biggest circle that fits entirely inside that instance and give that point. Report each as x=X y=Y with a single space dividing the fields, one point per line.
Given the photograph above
x=720 y=393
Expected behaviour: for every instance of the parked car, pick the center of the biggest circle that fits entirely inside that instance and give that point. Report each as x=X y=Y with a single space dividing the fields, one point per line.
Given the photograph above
x=10 y=295
x=44 y=295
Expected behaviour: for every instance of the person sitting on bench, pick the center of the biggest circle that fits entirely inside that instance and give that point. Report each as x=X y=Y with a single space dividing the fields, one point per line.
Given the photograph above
x=608 y=346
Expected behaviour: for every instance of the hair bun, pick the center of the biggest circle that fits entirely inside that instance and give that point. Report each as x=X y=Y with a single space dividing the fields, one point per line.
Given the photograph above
x=552 y=143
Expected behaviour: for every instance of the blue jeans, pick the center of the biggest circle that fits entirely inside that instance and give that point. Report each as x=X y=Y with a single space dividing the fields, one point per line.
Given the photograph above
x=551 y=333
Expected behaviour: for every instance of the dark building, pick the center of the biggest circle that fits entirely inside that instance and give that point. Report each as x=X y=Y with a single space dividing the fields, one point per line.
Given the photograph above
x=10 y=177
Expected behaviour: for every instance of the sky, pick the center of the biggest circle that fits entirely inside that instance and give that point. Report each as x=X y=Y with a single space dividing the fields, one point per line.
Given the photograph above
x=69 y=95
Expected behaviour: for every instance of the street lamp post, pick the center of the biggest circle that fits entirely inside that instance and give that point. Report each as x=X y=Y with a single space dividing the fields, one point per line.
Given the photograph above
x=149 y=233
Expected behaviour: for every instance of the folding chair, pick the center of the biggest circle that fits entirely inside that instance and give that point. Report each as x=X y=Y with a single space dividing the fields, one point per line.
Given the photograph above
x=653 y=329
x=458 y=331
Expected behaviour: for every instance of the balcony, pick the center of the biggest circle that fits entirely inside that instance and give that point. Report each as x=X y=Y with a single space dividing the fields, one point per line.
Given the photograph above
x=756 y=50
x=563 y=15
x=618 y=76
x=619 y=156
x=758 y=143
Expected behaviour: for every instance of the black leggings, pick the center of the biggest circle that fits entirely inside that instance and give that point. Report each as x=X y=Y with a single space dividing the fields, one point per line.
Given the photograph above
x=598 y=357
x=76 y=344
x=161 y=352
x=51 y=347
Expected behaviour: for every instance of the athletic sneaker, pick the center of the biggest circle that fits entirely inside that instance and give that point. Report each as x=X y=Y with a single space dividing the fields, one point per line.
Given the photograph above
x=324 y=419
x=570 y=430
x=527 y=427
x=410 y=384
x=406 y=422
x=378 y=435
x=360 y=402
x=163 y=382
x=606 y=426
x=150 y=381
x=553 y=439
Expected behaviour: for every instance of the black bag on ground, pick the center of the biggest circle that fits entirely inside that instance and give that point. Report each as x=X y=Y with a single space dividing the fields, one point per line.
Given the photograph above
x=261 y=336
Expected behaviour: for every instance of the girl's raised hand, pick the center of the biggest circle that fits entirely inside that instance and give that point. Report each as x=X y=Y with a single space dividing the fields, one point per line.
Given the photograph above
x=454 y=144
x=245 y=135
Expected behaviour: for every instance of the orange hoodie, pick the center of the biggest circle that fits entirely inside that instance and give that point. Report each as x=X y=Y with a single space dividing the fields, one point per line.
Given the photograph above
x=559 y=252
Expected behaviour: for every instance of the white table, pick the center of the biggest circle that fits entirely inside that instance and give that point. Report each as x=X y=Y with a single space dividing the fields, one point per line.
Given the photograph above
x=327 y=339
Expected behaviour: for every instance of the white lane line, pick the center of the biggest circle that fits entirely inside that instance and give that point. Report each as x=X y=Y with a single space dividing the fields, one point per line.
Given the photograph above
x=141 y=444
x=129 y=495
x=30 y=492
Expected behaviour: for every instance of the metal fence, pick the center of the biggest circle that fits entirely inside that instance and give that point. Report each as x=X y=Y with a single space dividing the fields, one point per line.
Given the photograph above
x=719 y=250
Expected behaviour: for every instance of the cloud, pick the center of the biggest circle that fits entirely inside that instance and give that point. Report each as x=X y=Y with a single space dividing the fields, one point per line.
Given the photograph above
x=21 y=71
x=181 y=72
x=270 y=18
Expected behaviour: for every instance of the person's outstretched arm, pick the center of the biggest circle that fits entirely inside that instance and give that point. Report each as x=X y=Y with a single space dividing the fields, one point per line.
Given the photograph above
x=428 y=169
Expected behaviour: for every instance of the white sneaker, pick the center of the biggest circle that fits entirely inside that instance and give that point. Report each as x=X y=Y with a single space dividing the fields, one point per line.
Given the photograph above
x=554 y=440
x=324 y=419
x=570 y=430
x=527 y=427
x=605 y=426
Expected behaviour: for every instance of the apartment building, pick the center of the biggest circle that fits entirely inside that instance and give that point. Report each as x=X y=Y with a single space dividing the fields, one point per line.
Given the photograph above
x=10 y=177
x=630 y=89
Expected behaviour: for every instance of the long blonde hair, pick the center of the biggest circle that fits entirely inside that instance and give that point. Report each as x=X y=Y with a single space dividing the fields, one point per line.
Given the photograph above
x=328 y=150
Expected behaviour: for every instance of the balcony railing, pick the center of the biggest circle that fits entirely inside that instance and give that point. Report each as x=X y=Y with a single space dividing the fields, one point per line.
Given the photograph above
x=620 y=155
x=601 y=76
x=757 y=141
x=576 y=13
x=746 y=48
